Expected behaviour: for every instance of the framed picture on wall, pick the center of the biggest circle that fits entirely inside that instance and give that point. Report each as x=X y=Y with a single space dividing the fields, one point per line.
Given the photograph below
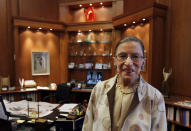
x=40 y=63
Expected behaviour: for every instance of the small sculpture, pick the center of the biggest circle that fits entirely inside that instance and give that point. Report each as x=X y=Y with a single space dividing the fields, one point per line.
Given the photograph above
x=165 y=87
x=21 y=82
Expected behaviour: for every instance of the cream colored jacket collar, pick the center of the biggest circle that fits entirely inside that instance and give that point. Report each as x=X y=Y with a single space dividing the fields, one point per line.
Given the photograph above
x=141 y=89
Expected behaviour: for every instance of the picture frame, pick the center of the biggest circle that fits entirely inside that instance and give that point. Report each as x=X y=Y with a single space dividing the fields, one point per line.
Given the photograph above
x=40 y=63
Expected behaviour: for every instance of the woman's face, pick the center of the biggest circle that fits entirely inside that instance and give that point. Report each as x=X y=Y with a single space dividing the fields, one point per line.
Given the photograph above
x=129 y=59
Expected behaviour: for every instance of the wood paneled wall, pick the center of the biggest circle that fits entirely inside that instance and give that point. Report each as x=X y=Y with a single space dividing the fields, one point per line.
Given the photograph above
x=143 y=33
x=46 y=9
x=37 y=41
x=132 y=6
x=6 y=50
x=180 y=47
x=42 y=9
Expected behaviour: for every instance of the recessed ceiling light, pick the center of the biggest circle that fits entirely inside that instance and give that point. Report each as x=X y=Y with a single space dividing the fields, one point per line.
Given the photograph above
x=134 y=22
x=143 y=19
x=28 y=27
x=90 y=4
x=80 y=5
x=101 y=3
x=39 y=28
x=125 y=24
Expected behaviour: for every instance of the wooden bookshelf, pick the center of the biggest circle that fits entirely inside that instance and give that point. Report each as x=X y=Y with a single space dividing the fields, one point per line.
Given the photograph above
x=178 y=112
x=35 y=94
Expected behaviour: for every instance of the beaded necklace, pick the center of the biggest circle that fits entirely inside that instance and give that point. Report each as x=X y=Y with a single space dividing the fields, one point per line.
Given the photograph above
x=126 y=91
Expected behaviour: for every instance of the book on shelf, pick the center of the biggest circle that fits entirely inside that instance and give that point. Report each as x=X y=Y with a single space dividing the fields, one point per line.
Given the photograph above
x=187 y=118
x=179 y=115
x=170 y=115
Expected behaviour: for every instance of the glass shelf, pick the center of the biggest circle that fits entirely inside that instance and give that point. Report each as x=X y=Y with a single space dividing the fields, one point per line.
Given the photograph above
x=89 y=55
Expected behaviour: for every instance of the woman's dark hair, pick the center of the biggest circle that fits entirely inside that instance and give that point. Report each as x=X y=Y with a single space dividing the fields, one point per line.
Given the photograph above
x=129 y=39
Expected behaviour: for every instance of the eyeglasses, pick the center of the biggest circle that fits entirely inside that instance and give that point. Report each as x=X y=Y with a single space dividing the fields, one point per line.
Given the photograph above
x=134 y=57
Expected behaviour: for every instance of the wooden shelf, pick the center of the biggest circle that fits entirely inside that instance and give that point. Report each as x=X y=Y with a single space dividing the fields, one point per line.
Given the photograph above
x=90 y=55
x=91 y=69
x=97 y=47
x=178 y=123
x=86 y=26
x=87 y=42
x=83 y=90
x=172 y=103
x=176 y=109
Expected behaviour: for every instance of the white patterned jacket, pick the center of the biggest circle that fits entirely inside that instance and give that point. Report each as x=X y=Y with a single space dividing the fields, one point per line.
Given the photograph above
x=146 y=112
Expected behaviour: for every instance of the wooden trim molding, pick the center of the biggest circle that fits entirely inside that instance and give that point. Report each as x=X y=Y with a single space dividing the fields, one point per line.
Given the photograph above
x=76 y=2
x=85 y=26
x=34 y=23
x=134 y=17
x=156 y=10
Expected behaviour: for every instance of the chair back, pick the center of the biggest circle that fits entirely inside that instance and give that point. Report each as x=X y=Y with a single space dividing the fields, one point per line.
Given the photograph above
x=63 y=93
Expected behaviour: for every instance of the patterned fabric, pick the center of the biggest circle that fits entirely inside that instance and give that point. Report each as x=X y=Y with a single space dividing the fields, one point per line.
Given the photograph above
x=146 y=112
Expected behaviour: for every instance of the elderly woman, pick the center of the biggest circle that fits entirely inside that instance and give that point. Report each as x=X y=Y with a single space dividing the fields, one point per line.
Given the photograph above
x=126 y=102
